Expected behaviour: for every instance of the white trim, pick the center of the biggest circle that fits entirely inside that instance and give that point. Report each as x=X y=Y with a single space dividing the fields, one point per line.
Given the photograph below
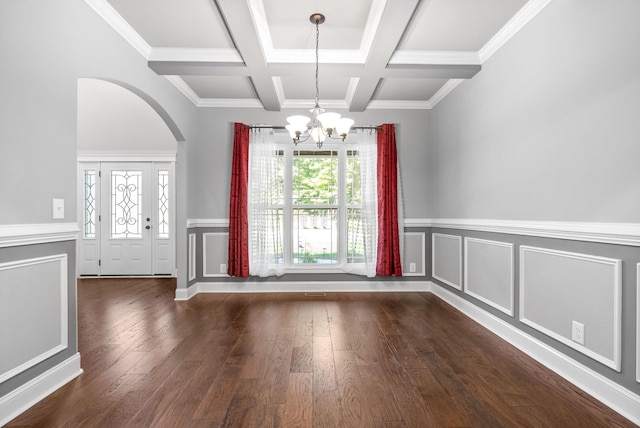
x=204 y=255
x=444 y=90
x=64 y=311
x=185 y=89
x=433 y=259
x=510 y=310
x=229 y=103
x=274 y=286
x=511 y=28
x=638 y=322
x=192 y=251
x=424 y=257
x=616 y=264
x=603 y=389
x=127 y=157
x=608 y=233
x=12 y=235
x=207 y=222
x=27 y=395
x=120 y=25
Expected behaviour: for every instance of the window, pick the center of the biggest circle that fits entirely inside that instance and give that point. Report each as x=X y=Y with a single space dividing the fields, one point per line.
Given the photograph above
x=306 y=207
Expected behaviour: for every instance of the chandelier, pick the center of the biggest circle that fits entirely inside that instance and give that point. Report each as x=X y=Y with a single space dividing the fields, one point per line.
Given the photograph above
x=321 y=124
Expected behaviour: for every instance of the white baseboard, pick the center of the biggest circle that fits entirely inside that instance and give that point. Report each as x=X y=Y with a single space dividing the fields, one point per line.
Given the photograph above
x=608 y=392
x=19 y=400
x=302 y=287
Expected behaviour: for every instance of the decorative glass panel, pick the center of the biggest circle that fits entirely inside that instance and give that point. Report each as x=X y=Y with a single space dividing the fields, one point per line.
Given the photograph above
x=90 y=204
x=163 y=204
x=315 y=235
x=315 y=177
x=126 y=199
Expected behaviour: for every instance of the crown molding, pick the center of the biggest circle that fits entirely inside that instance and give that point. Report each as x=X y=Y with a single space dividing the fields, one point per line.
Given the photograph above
x=12 y=235
x=185 y=89
x=122 y=27
x=230 y=103
x=511 y=28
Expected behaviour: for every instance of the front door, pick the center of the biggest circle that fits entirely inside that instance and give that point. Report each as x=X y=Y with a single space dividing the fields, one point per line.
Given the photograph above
x=126 y=244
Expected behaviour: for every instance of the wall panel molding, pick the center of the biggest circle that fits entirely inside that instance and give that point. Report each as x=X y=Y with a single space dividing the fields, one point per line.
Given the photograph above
x=421 y=257
x=496 y=275
x=207 y=222
x=638 y=322
x=192 y=254
x=449 y=251
x=214 y=271
x=32 y=299
x=593 y=298
x=12 y=235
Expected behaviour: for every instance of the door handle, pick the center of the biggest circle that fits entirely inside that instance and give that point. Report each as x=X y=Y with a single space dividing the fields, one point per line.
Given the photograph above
x=148 y=219
x=147 y=227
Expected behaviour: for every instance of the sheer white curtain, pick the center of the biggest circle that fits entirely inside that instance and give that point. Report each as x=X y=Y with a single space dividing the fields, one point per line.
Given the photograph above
x=366 y=142
x=265 y=205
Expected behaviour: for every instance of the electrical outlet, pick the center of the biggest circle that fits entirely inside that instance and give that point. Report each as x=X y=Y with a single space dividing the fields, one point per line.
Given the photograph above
x=577 y=332
x=223 y=268
x=412 y=267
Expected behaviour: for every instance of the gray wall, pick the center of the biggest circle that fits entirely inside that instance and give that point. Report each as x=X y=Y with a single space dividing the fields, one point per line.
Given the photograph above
x=46 y=47
x=549 y=129
x=210 y=157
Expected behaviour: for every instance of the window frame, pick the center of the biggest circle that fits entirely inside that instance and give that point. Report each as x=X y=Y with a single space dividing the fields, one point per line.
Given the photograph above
x=342 y=148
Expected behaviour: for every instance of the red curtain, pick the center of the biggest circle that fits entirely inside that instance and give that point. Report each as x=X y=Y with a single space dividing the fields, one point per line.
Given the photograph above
x=388 y=262
x=238 y=263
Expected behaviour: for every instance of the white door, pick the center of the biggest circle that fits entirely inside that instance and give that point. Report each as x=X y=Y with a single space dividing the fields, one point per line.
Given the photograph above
x=126 y=226
x=126 y=213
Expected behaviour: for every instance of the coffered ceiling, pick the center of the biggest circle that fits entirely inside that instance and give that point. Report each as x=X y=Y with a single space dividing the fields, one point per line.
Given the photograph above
x=405 y=54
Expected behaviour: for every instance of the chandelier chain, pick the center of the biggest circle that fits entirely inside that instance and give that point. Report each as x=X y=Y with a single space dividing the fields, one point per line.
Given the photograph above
x=317 y=61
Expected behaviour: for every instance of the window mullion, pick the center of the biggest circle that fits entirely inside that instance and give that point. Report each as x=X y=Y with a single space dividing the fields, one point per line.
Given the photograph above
x=342 y=202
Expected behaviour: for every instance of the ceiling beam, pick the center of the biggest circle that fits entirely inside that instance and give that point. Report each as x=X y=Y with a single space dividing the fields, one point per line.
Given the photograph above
x=395 y=20
x=237 y=16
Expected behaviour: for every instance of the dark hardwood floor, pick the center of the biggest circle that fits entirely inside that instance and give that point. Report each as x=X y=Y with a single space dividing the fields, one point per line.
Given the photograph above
x=290 y=360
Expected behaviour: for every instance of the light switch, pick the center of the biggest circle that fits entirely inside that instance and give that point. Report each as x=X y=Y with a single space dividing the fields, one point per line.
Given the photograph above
x=58 y=209
x=412 y=267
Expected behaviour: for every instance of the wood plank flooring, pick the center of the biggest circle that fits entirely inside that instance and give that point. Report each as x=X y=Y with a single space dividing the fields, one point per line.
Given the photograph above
x=290 y=360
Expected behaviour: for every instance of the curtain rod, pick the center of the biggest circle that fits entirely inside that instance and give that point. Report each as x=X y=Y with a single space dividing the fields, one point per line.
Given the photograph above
x=282 y=127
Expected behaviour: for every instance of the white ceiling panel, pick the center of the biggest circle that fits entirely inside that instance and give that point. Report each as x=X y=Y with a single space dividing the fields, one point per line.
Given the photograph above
x=176 y=23
x=227 y=87
x=300 y=88
x=457 y=25
x=398 y=89
x=290 y=28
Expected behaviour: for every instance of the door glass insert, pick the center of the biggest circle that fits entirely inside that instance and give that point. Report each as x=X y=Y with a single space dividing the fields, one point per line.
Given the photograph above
x=163 y=204
x=126 y=197
x=89 y=204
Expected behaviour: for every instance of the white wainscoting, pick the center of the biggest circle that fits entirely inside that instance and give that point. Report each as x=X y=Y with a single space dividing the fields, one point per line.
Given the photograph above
x=414 y=246
x=488 y=272
x=33 y=312
x=215 y=247
x=558 y=287
x=192 y=256
x=446 y=259
x=638 y=322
